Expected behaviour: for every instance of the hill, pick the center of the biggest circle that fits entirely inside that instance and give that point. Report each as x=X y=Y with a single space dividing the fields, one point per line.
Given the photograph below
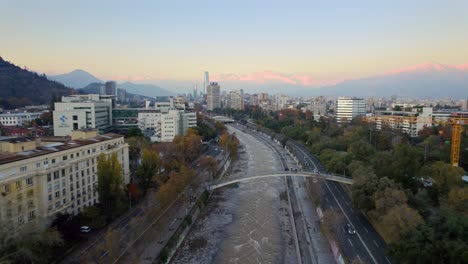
x=145 y=89
x=76 y=79
x=20 y=87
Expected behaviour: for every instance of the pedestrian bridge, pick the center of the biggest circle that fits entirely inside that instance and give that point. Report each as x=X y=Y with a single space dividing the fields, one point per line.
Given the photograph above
x=227 y=181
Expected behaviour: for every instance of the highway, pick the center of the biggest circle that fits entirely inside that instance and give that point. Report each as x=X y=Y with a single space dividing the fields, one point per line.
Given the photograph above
x=366 y=244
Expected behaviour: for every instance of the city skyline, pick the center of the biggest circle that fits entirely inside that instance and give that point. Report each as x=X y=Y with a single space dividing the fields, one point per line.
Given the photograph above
x=300 y=43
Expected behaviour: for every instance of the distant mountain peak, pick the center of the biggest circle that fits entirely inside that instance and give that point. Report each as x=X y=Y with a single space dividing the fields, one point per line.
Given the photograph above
x=77 y=78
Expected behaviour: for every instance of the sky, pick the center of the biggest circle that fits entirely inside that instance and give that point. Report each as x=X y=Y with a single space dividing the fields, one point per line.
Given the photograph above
x=312 y=42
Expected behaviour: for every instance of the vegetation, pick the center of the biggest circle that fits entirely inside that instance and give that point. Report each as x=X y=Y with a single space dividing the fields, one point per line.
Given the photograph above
x=388 y=168
x=149 y=169
x=28 y=245
x=20 y=87
x=110 y=187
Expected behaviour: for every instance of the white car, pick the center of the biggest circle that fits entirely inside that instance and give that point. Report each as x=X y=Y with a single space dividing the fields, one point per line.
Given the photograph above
x=85 y=229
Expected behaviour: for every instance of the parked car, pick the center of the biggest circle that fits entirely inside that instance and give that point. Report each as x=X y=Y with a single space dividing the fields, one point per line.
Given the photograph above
x=85 y=229
x=286 y=169
x=350 y=229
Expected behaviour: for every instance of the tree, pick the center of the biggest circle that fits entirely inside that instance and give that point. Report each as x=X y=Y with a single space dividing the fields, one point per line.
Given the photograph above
x=387 y=199
x=93 y=217
x=442 y=240
x=136 y=146
x=148 y=169
x=457 y=200
x=133 y=191
x=362 y=191
x=210 y=164
x=361 y=150
x=446 y=176
x=400 y=219
x=110 y=187
x=134 y=132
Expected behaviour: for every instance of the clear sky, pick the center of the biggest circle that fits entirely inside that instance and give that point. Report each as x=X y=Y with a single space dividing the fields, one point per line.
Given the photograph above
x=178 y=40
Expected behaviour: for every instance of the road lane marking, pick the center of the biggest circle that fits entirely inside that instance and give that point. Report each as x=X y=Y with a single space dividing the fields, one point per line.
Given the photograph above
x=375 y=243
x=366 y=230
x=349 y=240
x=359 y=257
x=388 y=260
x=357 y=233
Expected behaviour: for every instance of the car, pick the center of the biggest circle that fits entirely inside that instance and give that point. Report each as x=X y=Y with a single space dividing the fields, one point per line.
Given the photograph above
x=286 y=169
x=85 y=229
x=350 y=229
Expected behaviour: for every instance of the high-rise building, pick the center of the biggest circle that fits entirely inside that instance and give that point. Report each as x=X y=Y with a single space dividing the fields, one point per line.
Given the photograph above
x=213 y=96
x=348 y=108
x=163 y=125
x=207 y=82
x=42 y=177
x=236 y=100
x=121 y=95
x=111 y=88
x=82 y=111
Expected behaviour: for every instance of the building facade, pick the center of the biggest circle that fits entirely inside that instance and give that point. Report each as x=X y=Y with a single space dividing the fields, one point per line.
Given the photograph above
x=111 y=88
x=42 y=177
x=81 y=112
x=213 y=96
x=18 y=119
x=348 y=108
x=162 y=125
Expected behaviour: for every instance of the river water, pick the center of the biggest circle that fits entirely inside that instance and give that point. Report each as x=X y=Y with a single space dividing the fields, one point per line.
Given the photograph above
x=246 y=222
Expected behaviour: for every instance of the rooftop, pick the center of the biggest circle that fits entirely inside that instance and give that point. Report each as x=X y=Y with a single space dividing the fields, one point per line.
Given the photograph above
x=55 y=147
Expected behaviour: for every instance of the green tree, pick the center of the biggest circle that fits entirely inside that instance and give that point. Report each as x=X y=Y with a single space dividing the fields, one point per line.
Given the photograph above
x=148 y=169
x=360 y=150
x=134 y=132
x=365 y=185
x=93 y=217
x=400 y=219
x=446 y=176
x=110 y=187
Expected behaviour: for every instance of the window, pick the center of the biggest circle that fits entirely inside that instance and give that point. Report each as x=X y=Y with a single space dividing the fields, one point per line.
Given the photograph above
x=75 y=126
x=46 y=162
x=53 y=161
x=63 y=172
x=7 y=188
x=50 y=197
x=71 y=156
x=64 y=192
x=56 y=175
x=18 y=185
x=23 y=169
x=38 y=165
x=31 y=215
x=29 y=181
x=65 y=157
x=75 y=118
x=57 y=194
x=30 y=204
x=49 y=177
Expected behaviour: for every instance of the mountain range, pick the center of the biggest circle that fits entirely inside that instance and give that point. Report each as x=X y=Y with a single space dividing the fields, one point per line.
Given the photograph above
x=79 y=79
x=428 y=80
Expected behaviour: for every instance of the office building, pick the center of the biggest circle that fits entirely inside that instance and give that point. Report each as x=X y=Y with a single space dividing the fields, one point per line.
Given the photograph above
x=111 y=87
x=121 y=95
x=348 y=108
x=42 y=177
x=206 y=83
x=213 y=96
x=18 y=119
x=82 y=111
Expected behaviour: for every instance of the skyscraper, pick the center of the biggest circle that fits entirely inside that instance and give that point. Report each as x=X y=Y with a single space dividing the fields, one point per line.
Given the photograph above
x=348 y=108
x=207 y=82
x=213 y=96
x=111 y=88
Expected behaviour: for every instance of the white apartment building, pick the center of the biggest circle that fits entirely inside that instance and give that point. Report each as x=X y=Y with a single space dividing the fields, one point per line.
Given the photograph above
x=18 y=119
x=42 y=177
x=348 y=108
x=409 y=122
x=213 y=96
x=281 y=101
x=163 y=125
x=82 y=111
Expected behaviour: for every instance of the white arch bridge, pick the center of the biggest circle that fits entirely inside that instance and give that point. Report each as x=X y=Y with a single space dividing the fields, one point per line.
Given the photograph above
x=227 y=181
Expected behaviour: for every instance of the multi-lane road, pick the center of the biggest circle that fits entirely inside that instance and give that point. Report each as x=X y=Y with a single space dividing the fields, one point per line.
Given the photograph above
x=366 y=244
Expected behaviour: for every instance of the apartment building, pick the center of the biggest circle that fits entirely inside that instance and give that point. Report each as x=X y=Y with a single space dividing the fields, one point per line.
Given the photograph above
x=42 y=177
x=162 y=125
x=82 y=112
x=409 y=122
x=213 y=96
x=18 y=119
